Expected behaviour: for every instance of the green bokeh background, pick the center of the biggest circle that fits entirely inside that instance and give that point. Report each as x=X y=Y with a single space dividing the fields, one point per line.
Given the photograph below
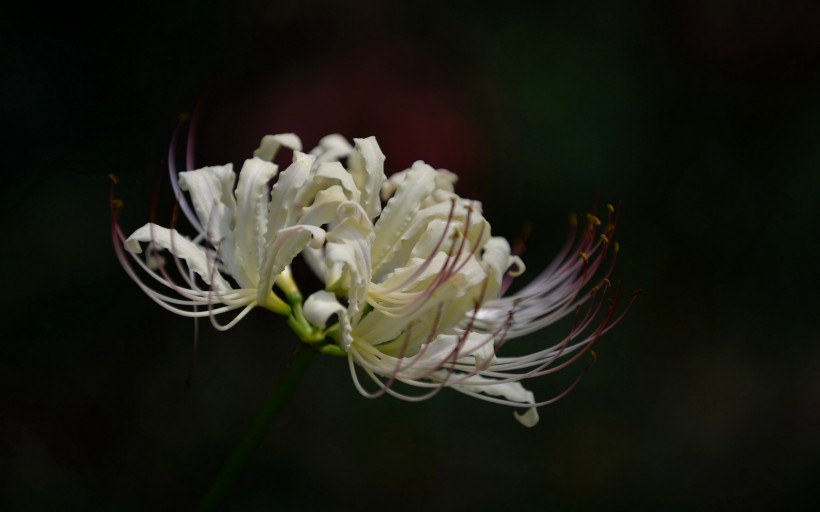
x=702 y=118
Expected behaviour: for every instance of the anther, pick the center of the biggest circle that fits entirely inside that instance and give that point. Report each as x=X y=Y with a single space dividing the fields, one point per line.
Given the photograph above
x=608 y=282
x=585 y=257
x=610 y=208
x=593 y=355
x=117 y=204
x=573 y=220
x=605 y=239
x=616 y=247
x=114 y=179
x=592 y=219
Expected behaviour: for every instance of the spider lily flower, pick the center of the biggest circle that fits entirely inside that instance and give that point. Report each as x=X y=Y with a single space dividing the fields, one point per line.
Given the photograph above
x=415 y=288
x=247 y=234
x=423 y=306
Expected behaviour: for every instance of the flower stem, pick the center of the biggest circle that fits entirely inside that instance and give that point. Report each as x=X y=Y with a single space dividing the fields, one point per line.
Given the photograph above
x=258 y=428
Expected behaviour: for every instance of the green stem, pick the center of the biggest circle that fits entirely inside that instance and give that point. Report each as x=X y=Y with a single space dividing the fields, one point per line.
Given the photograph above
x=258 y=428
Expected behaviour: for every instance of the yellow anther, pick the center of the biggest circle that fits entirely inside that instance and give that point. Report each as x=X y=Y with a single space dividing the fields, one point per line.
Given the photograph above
x=608 y=282
x=610 y=208
x=585 y=257
x=592 y=219
x=117 y=204
x=573 y=220
x=605 y=239
x=616 y=247
x=114 y=179
x=593 y=355
x=593 y=291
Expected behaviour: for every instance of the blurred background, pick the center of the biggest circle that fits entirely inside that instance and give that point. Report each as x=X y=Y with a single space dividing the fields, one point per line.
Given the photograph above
x=702 y=118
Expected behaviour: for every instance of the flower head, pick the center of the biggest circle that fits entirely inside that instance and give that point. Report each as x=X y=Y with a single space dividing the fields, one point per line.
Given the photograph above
x=413 y=276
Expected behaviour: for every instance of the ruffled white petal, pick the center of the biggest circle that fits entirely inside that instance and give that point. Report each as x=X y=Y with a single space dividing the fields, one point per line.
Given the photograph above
x=320 y=306
x=400 y=211
x=511 y=391
x=347 y=256
x=279 y=253
x=369 y=177
x=211 y=190
x=283 y=210
x=251 y=218
x=331 y=148
x=271 y=143
x=195 y=256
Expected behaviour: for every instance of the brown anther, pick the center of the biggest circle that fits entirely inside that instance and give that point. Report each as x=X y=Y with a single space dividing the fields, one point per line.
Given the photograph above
x=585 y=257
x=608 y=282
x=616 y=247
x=117 y=204
x=593 y=291
x=573 y=220
x=114 y=179
x=593 y=355
x=605 y=239
x=610 y=208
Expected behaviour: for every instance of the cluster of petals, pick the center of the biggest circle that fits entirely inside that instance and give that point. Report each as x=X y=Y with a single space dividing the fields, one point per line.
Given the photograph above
x=413 y=277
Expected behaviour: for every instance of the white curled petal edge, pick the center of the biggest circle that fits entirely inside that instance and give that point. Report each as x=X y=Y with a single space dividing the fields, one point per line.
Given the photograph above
x=271 y=143
x=400 y=211
x=252 y=215
x=170 y=240
x=279 y=253
x=320 y=306
x=371 y=183
x=347 y=255
x=211 y=190
x=509 y=391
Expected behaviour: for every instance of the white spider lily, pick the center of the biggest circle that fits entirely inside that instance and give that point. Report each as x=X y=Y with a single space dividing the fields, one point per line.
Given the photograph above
x=416 y=288
x=431 y=275
x=248 y=232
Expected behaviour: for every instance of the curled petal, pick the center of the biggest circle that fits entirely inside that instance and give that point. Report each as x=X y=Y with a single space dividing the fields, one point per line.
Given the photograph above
x=347 y=255
x=509 y=391
x=252 y=217
x=279 y=253
x=170 y=240
x=320 y=306
x=271 y=143
x=331 y=147
x=371 y=179
x=400 y=212
x=282 y=209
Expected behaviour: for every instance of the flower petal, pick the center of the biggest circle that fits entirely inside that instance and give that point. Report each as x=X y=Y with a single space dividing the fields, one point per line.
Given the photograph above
x=195 y=256
x=211 y=190
x=331 y=148
x=400 y=211
x=320 y=306
x=347 y=256
x=511 y=391
x=371 y=179
x=279 y=253
x=270 y=145
x=252 y=218
x=282 y=209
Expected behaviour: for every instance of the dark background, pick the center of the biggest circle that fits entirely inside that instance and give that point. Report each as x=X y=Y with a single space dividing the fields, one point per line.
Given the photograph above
x=702 y=117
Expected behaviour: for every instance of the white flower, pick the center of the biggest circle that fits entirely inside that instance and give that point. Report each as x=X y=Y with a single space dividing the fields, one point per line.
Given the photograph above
x=414 y=288
x=422 y=289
